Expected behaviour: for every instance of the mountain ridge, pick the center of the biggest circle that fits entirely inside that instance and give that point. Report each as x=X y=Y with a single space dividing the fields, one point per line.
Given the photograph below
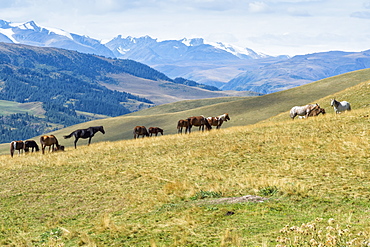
x=215 y=64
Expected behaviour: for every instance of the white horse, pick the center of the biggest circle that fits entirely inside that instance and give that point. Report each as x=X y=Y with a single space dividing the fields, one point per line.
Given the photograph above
x=303 y=110
x=340 y=106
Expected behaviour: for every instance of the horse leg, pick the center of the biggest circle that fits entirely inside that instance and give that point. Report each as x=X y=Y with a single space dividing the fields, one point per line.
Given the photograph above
x=89 y=141
x=76 y=139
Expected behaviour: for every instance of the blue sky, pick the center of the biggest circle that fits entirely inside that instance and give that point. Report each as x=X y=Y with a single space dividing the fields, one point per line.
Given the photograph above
x=273 y=27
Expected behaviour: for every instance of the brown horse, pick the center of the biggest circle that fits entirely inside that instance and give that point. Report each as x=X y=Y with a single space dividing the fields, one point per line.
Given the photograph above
x=49 y=140
x=16 y=145
x=217 y=121
x=198 y=121
x=182 y=123
x=155 y=130
x=316 y=112
x=140 y=130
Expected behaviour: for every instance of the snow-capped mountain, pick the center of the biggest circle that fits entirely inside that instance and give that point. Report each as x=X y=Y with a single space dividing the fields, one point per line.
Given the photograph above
x=149 y=50
x=30 y=33
x=143 y=49
x=195 y=59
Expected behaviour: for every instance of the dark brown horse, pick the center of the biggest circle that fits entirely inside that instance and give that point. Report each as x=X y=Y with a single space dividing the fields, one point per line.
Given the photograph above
x=217 y=121
x=49 y=140
x=316 y=112
x=182 y=123
x=155 y=130
x=30 y=144
x=198 y=121
x=140 y=131
x=85 y=133
x=16 y=145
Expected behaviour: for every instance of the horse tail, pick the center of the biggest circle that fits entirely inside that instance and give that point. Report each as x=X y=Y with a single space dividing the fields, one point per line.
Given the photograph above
x=209 y=127
x=349 y=107
x=69 y=136
x=12 y=149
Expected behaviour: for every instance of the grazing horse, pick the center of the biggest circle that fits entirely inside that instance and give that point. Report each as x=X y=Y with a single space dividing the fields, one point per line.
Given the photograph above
x=155 y=130
x=49 y=140
x=30 y=144
x=85 y=133
x=340 y=106
x=217 y=121
x=198 y=121
x=182 y=123
x=302 y=110
x=140 y=131
x=16 y=145
x=315 y=112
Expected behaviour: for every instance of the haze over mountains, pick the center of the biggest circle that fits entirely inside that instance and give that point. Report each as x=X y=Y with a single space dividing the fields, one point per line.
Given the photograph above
x=224 y=66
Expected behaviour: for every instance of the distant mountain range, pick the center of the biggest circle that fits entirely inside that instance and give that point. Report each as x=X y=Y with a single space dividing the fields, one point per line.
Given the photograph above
x=69 y=87
x=216 y=64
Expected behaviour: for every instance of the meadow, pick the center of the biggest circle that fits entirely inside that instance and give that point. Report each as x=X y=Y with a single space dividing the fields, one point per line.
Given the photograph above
x=312 y=174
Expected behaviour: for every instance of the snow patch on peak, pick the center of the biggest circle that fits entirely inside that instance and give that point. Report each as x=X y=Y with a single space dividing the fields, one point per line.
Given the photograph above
x=192 y=42
x=9 y=33
x=59 y=32
x=237 y=51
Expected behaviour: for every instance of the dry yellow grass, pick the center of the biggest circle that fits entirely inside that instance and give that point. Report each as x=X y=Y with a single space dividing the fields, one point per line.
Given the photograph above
x=138 y=192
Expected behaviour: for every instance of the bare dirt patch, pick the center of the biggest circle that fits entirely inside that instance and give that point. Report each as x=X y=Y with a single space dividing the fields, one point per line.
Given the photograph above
x=240 y=199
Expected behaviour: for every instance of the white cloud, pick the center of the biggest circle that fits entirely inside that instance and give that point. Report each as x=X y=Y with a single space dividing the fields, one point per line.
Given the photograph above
x=259 y=7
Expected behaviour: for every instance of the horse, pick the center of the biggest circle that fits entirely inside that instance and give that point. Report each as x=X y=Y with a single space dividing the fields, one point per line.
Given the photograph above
x=140 y=131
x=340 y=106
x=198 y=121
x=302 y=110
x=16 y=145
x=85 y=133
x=49 y=140
x=182 y=123
x=155 y=130
x=315 y=112
x=217 y=121
x=58 y=149
x=30 y=144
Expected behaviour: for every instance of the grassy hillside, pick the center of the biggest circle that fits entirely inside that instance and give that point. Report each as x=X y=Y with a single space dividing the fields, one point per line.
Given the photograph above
x=165 y=191
x=163 y=92
x=242 y=111
x=11 y=107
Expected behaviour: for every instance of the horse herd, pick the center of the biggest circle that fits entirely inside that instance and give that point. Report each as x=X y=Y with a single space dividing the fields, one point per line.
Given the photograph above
x=52 y=142
x=200 y=121
x=312 y=110
x=188 y=123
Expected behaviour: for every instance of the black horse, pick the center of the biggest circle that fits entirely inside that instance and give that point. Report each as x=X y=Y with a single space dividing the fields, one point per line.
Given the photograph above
x=31 y=144
x=85 y=133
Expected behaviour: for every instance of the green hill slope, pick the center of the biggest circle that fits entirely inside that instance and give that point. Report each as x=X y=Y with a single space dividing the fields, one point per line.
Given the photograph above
x=242 y=111
x=175 y=190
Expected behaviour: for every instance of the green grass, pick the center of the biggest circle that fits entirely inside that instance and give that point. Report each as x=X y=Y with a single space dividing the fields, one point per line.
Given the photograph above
x=159 y=191
x=10 y=107
x=154 y=191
